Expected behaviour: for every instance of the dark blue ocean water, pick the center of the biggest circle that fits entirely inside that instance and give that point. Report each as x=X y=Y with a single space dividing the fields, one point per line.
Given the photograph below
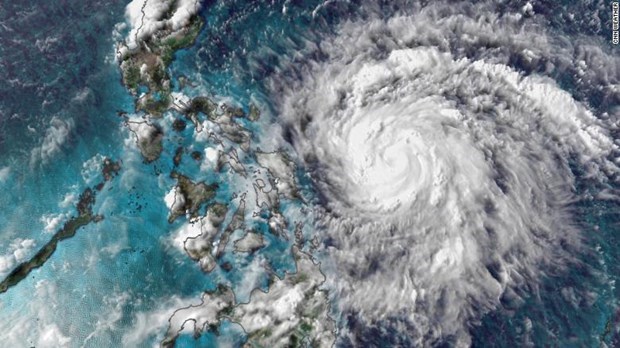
x=61 y=93
x=58 y=74
x=243 y=38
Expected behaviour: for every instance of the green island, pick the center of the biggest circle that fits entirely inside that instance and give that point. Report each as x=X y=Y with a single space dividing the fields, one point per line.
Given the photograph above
x=145 y=72
x=190 y=196
x=69 y=229
x=148 y=66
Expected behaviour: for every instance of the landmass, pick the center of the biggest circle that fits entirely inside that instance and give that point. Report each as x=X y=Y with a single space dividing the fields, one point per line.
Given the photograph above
x=189 y=196
x=84 y=217
x=249 y=243
x=199 y=248
x=294 y=311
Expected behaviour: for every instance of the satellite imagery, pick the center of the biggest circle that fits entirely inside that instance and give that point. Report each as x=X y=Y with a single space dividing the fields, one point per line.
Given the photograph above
x=309 y=173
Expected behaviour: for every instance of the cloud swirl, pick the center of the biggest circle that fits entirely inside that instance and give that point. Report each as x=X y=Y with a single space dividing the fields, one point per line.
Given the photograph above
x=445 y=172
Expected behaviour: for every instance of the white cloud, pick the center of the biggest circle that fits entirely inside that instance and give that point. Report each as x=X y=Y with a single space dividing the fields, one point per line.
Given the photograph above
x=91 y=169
x=52 y=337
x=18 y=252
x=69 y=200
x=145 y=17
x=20 y=330
x=4 y=174
x=447 y=176
x=153 y=323
x=52 y=222
x=107 y=320
x=53 y=141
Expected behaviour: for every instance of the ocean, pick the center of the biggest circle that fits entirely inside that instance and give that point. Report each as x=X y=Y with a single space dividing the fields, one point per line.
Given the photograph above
x=117 y=282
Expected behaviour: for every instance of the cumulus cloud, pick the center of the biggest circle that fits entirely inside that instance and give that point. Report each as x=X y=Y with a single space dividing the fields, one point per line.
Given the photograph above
x=4 y=174
x=91 y=169
x=52 y=222
x=146 y=17
x=446 y=178
x=53 y=141
x=52 y=337
x=148 y=324
x=19 y=330
x=18 y=252
x=69 y=200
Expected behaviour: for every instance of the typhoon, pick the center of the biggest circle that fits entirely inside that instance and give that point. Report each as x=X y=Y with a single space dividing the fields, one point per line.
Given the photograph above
x=444 y=157
x=317 y=173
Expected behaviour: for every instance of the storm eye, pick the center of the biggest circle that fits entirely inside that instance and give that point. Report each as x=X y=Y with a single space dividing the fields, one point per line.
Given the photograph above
x=434 y=173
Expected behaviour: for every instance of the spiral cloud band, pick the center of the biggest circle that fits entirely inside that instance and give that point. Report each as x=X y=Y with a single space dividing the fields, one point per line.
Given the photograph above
x=445 y=174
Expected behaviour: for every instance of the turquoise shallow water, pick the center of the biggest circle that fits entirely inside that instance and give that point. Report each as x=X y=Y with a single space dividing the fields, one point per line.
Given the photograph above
x=120 y=264
x=98 y=284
